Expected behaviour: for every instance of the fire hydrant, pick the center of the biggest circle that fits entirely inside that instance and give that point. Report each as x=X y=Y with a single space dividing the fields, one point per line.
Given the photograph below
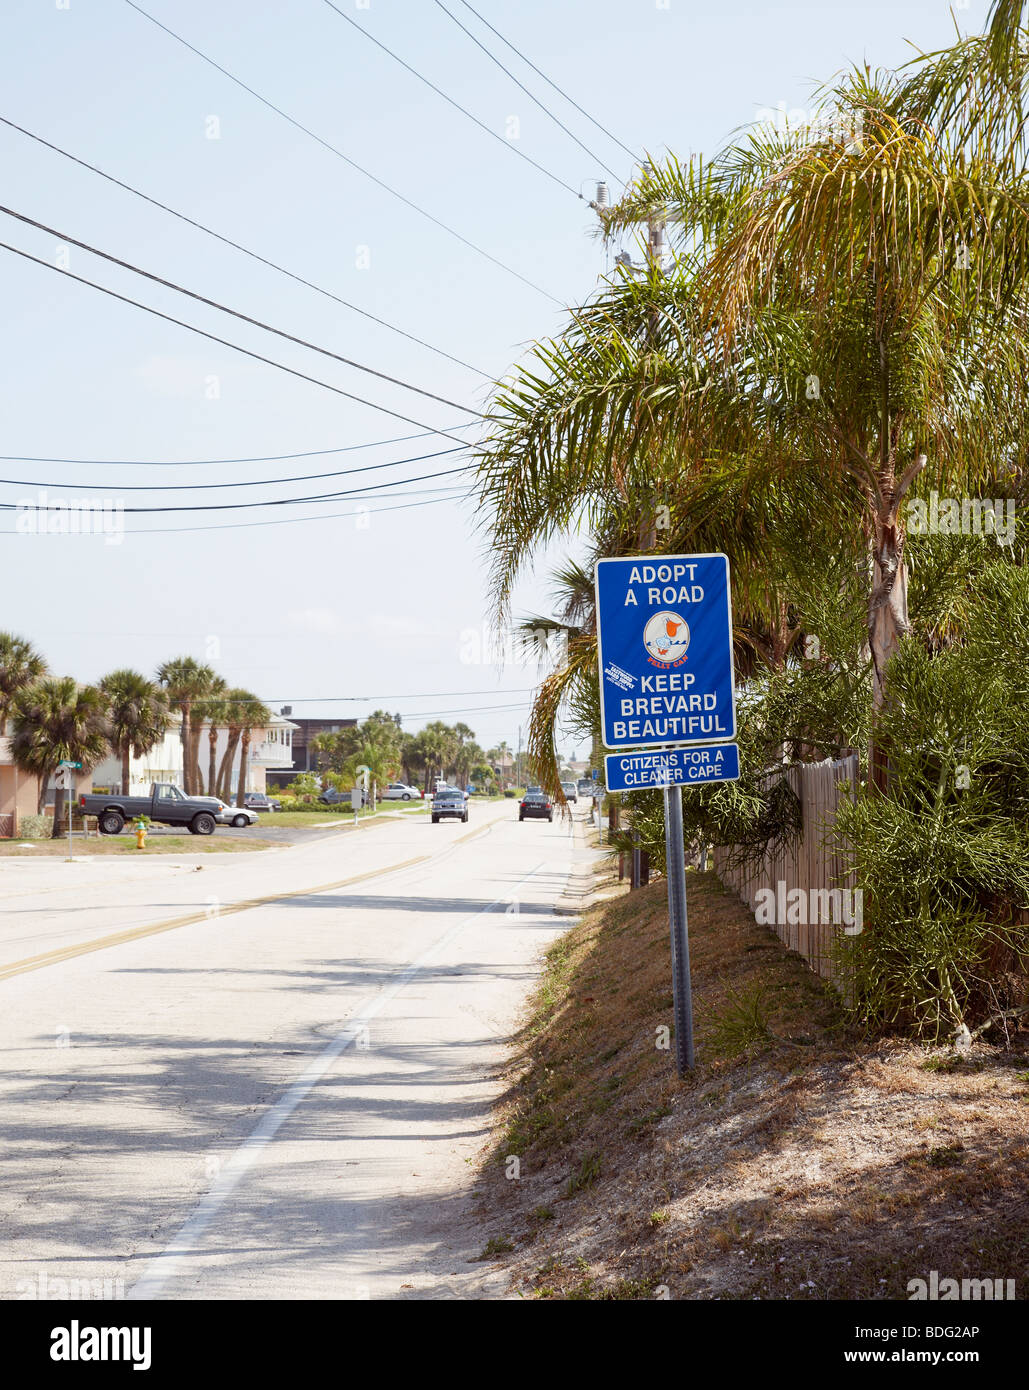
x=141 y=834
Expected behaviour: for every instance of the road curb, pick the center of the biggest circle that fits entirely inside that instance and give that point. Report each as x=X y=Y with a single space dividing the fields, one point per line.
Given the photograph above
x=579 y=891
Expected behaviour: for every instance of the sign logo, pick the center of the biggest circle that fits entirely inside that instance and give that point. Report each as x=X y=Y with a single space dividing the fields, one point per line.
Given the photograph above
x=666 y=638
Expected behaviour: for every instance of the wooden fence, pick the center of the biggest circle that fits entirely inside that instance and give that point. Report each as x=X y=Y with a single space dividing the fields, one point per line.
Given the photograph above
x=816 y=861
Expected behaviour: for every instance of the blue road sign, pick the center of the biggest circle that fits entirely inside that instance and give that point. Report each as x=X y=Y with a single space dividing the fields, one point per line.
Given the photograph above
x=664 y=643
x=672 y=767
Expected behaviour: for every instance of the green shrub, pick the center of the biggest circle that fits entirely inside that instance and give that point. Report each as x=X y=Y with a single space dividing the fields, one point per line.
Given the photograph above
x=943 y=857
x=35 y=827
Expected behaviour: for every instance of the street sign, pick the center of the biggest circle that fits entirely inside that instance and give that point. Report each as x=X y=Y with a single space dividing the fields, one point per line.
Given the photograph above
x=664 y=640
x=664 y=650
x=642 y=770
x=62 y=778
x=65 y=763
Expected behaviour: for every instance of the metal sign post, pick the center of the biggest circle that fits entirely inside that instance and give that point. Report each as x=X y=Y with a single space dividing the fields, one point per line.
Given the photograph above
x=678 y=922
x=664 y=648
x=65 y=783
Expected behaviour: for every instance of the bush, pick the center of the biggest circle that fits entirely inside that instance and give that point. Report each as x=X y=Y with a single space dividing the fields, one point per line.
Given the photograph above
x=35 y=827
x=943 y=857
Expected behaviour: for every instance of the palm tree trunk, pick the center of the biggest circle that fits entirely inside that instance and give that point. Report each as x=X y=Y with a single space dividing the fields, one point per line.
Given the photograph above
x=193 y=758
x=225 y=768
x=55 y=833
x=186 y=737
x=244 y=752
x=125 y=755
x=888 y=623
x=212 y=739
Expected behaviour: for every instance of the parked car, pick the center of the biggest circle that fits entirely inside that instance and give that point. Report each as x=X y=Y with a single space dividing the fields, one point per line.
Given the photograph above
x=570 y=791
x=449 y=801
x=401 y=791
x=166 y=804
x=331 y=797
x=257 y=801
x=586 y=786
x=235 y=815
x=536 y=803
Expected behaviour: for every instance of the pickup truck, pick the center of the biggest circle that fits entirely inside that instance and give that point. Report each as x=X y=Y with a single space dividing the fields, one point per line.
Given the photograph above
x=166 y=803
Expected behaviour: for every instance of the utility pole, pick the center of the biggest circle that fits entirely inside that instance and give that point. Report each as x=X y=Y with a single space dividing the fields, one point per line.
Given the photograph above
x=655 y=262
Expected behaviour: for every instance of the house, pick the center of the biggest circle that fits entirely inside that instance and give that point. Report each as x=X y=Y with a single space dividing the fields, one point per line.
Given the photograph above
x=19 y=792
x=162 y=764
x=304 y=758
x=271 y=750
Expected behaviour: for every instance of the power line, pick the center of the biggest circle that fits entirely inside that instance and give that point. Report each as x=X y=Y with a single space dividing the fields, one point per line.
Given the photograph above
x=333 y=149
x=223 y=308
x=252 y=458
x=246 y=352
x=254 y=255
x=367 y=699
x=522 y=87
x=275 y=521
x=466 y=709
x=247 y=506
x=455 y=104
x=550 y=82
x=249 y=482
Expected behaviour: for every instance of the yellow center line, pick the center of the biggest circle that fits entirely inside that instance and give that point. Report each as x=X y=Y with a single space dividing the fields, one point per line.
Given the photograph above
x=103 y=943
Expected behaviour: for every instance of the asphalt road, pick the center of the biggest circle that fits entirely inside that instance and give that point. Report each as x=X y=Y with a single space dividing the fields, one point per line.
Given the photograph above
x=264 y=1076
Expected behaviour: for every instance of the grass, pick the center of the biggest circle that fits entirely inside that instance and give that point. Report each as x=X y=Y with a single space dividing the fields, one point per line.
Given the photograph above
x=496 y=1245
x=109 y=845
x=801 y=1159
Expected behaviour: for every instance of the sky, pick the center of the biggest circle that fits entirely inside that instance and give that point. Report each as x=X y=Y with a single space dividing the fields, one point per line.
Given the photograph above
x=342 y=606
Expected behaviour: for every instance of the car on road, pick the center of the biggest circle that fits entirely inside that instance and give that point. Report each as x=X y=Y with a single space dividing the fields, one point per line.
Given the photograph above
x=449 y=801
x=570 y=791
x=586 y=786
x=401 y=791
x=257 y=801
x=166 y=804
x=237 y=816
x=536 y=803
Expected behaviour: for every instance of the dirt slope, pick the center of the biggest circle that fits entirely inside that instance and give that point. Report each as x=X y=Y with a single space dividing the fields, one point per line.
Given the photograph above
x=798 y=1162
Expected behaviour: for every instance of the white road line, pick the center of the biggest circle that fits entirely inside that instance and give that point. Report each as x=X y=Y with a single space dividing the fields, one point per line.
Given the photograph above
x=164 y=1266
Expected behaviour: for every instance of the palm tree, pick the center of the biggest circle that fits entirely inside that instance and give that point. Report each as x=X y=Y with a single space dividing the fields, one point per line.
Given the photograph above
x=234 y=716
x=211 y=709
x=138 y=716
x=841 y=309
x=255 y=716
x=379 y=758
x=186 y=681
x=20 y=665
x=56 y=720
